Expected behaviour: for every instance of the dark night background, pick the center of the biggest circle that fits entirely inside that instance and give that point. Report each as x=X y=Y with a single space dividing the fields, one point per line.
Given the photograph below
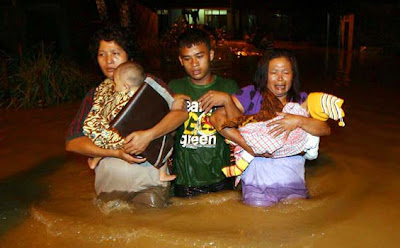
x=68 y=25
x=60 y=32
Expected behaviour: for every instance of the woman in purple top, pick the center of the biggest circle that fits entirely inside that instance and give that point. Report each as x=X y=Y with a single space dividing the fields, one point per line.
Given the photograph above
x=269 y=180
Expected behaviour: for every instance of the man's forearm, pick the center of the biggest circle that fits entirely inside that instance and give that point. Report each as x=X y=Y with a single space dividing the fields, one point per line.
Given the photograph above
x=169 y=123
x=234 y=135
x=231 y=110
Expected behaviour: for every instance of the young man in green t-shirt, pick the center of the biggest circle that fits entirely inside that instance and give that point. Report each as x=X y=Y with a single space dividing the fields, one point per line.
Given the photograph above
x=200 y=152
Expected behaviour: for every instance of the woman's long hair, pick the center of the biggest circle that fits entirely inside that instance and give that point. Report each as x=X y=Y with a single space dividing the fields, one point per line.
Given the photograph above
x=261 y=75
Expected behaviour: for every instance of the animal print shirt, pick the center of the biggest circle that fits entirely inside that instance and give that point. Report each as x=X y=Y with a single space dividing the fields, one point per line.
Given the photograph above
x=107 y=103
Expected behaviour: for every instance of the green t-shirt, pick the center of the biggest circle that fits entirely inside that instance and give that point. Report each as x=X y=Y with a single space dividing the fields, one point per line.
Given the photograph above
x=199 y=151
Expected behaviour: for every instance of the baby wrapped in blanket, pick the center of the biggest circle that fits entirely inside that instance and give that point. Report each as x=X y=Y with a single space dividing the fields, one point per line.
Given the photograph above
x=255 y=129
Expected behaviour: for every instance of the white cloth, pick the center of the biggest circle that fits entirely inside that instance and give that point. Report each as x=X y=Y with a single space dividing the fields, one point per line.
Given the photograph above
x=113 y=174
x=311 y=147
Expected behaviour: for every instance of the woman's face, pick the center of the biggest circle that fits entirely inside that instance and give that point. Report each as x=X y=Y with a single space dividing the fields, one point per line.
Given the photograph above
x=280 y=77
x=109 y=56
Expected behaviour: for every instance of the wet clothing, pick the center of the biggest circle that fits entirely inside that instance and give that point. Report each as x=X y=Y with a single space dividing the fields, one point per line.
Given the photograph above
x=199 y=151
x=118 y=178
x=260 y=141
x=269 y=180
x=114 y=175
x=257 y=137
x=191 y=191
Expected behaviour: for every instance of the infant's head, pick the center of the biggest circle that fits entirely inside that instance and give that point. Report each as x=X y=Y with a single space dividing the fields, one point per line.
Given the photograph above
x=129 y=76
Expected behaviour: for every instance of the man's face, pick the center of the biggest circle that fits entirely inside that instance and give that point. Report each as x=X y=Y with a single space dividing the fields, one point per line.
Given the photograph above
x=197 y=61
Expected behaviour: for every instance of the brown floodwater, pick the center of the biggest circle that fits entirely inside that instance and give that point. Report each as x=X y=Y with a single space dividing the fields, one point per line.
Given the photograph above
x=47 y=197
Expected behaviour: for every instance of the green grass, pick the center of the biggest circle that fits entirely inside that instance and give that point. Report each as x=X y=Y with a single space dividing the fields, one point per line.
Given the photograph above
x=41 y=78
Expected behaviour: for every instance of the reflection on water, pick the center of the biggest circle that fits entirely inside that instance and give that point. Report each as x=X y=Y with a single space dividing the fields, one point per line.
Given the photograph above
x=19 y=192
x=354 y=186
x=344 y=68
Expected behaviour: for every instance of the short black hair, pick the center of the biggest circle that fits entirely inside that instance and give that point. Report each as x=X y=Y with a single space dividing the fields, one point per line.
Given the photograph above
x=128 y=70
x=114 y=32
x=194 y=36
x=261 y=75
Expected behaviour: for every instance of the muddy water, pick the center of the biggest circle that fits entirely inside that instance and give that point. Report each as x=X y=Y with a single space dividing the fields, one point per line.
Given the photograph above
x=354 y=184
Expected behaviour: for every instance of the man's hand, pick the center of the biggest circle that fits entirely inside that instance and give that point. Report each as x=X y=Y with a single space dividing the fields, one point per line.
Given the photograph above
x=137 y=142
x=129 y=158
x=213 y=99
x=180 y=102
x=285 y=125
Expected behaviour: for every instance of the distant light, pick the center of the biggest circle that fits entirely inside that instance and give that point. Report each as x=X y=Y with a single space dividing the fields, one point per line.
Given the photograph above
x=240 y=52
x=215 y=12
x=162 y=12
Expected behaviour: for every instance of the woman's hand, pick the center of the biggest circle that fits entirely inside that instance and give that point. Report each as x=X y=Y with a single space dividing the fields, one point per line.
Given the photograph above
x=137 y=142
x=129 y=158
x=286 y=124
